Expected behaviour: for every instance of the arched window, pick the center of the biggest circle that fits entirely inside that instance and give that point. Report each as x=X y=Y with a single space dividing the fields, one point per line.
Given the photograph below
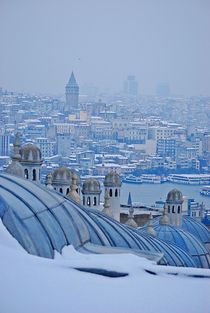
x=116 y=193
x=110 y=192
x=67 y=190
x=61 y=190
x=26 y=173
x=173 y=209
x=88 y=201
x=83 y=200
x=168 y=208
x=94 y=201
x=34 y=175
x=179 y=209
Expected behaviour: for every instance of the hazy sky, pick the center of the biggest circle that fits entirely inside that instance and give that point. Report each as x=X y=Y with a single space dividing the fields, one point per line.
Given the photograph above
x=104 y=41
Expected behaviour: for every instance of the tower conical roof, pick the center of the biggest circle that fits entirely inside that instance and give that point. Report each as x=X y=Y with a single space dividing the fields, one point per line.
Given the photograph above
x=72 y=80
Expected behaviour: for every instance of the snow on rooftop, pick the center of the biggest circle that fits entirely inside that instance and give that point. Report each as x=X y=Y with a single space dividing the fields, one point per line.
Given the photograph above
x=37 y=285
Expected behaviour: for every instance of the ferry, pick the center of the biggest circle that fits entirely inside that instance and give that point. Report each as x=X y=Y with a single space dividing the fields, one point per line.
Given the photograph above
x=131 y=179
x=151 y=179
x=189 y=179
x=205 y=191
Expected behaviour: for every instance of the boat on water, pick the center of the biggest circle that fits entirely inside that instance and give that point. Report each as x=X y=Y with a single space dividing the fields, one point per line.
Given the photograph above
x=131 y=179
x=189 y=179
x=205 y=191
x=151 y=179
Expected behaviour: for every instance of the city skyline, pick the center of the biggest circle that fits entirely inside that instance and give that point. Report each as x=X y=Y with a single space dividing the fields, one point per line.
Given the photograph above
x=104 y=43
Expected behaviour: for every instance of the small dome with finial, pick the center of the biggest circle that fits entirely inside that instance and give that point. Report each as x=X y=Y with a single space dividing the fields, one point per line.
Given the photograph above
x=112 y=179
x=91 y=185
x=174 y=196
x=30 y=153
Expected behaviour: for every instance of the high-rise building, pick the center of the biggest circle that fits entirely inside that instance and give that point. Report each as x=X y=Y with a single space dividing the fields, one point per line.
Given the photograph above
x=4 y=144
x=131 y=86
x=72 y=95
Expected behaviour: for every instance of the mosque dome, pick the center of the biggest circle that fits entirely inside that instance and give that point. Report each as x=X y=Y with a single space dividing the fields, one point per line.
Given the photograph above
x=91 y=185
x=61 y=175
x=44 y=221
x=121 y=234
x=185 y=241
x=15 y=168
x=112 y=179
x=197 y=229
x=30 y=153
x=191 y=225
x=174 y=196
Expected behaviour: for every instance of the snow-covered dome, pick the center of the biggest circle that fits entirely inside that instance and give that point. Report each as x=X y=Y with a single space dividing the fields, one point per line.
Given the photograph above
x=112 y=179
x=44 y=221
x=30 y=153
x=174 y=196
x=91 y=185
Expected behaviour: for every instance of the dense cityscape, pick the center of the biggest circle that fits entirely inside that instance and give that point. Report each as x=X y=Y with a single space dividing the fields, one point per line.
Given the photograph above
x=104 y=156
x=134 y=134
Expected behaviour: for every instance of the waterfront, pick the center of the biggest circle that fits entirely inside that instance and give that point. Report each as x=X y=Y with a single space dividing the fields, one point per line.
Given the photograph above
x=147 y=194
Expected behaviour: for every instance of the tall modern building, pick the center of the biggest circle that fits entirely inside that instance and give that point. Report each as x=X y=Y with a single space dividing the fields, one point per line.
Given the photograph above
x=72 y=95
x=4 y=144
x=131 y=86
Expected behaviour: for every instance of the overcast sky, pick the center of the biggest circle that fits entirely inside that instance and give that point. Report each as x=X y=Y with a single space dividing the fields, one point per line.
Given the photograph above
x=41 y=41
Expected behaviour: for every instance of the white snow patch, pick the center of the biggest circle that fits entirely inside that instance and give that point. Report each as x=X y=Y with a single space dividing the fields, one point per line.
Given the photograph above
x=37 y=285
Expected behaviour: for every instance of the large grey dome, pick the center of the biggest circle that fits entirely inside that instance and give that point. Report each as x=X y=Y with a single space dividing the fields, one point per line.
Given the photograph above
x=43 y=221
x=91 y=185
x=174 y=196
x=30 y=153
x=112 y=179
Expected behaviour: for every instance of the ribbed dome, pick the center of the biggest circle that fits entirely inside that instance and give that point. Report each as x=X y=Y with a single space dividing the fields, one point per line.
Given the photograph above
x=30 y=153
x=61 y=175
x=91 y=185
x=15 y=168
x=198 y=229
x=185 y=241
x=112 y=179
x=44 y=221
x=194 y=227
x=174 y=196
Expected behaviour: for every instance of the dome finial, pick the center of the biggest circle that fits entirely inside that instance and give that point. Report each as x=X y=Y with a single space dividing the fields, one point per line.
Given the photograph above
x=150 y=228
x=131 y=222
x=164 y=220
x=73 y=192
x=107 y=210
x=48 y=181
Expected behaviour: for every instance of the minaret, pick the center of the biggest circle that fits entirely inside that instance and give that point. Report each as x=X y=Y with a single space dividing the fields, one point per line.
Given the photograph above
x=173 y=205
x=72 y=95
x=112 y=184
